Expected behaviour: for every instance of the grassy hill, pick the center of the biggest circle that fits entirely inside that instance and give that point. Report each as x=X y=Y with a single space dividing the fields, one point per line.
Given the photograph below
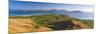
x=47 y=22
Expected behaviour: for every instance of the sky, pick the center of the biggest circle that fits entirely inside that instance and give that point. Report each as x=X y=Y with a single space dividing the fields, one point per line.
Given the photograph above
x=23 y=5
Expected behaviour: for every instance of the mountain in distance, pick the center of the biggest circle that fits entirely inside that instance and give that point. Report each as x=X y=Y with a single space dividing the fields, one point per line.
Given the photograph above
x=74 y=14
x=81 y=14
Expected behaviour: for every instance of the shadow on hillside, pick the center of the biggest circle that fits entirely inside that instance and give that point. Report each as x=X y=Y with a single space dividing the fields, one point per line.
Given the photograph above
x=61 y=25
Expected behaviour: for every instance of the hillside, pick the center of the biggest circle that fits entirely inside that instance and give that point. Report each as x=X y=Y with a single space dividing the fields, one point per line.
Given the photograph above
x=47 y=22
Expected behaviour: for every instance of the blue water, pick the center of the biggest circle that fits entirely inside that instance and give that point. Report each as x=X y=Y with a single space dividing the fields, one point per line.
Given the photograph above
x=79 y=15
x=18 y=13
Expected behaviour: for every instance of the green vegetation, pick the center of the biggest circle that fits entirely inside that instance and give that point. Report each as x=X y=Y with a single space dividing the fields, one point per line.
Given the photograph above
x=41 y=20
x=57 y=22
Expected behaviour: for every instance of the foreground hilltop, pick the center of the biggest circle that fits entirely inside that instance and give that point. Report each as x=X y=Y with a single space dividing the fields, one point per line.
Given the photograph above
x=47 y=22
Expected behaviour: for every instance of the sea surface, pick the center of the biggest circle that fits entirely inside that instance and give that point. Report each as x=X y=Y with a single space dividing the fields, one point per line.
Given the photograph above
x=74 y=14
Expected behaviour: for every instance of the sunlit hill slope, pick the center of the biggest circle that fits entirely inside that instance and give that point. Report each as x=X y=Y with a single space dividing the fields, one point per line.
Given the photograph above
x=46 y=22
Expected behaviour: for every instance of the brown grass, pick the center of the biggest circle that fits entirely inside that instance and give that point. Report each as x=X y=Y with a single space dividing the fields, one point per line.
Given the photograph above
x=21 y=25
x=81 y=25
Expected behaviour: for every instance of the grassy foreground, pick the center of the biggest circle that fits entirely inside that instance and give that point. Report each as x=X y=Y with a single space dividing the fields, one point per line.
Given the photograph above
x=49 y=22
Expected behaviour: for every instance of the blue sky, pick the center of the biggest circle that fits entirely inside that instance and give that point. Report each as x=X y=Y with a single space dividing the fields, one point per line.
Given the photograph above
x=23 y=5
